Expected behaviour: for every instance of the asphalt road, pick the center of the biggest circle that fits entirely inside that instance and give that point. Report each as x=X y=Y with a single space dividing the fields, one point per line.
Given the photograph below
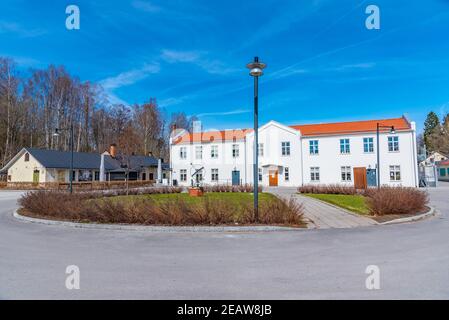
x=310 y=264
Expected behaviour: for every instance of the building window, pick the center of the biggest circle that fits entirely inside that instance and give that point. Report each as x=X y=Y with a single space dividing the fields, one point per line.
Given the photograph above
x=344 y=146
x=368 y=145
x=214 y=152
x=315 y=173
x=346 y=174
x=286 y=174
x=442 y=172
x=27 y=157
x=97 y=175
x=260 y=175
x=260 y=150
x=199 y=152
x=393 y=144
x=183 y=153
x=183 y=175
x=151 y=176
x=285 y=148
x=313 y=146
x=395 y=173
x=73 y=175
x=214 y=175
x=235 y=151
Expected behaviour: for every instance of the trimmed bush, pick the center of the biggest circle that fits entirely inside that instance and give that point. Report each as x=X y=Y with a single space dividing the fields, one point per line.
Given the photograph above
x=203 y=211
x=328 y=189
x=230 y=188
x=396 y=200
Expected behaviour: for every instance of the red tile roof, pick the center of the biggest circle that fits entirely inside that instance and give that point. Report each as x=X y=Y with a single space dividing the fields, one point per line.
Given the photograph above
x=211 y=136
x=444 y=163
x=350 y=127
x=306 y=130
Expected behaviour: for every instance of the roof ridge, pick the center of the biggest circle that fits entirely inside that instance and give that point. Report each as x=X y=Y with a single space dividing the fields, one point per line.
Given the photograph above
x=342 y=122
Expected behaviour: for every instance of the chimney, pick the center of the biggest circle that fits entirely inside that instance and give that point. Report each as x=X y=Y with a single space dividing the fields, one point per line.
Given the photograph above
x=113 y=150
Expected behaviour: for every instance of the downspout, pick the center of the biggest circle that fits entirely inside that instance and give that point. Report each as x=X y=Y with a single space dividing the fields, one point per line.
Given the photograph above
x=302 y=159
x=414 y=155
x=246 y=180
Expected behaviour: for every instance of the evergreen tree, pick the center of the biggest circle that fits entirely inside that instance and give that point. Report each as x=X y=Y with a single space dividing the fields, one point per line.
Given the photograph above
x=431 y=126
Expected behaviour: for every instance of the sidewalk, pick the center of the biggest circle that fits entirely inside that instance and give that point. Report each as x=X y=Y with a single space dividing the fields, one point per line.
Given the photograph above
x=321 y=215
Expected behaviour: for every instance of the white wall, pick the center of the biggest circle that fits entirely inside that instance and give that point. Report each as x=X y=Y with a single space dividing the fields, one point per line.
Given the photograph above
x=22 y=171
x=329 y=159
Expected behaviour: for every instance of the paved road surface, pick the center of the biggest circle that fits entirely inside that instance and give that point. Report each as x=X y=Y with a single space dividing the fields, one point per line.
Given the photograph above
x=413 y=260
x=319 y=214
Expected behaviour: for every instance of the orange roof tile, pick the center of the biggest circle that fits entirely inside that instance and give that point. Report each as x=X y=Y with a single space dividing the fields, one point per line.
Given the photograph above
x=350 y=127
x=213 y=136
x=306 y=130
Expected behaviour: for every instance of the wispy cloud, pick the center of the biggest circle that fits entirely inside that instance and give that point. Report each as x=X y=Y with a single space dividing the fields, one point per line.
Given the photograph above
x=225 y=113
x=198 y=58
x=129 y=77
x=19 y=30
x=146 y=6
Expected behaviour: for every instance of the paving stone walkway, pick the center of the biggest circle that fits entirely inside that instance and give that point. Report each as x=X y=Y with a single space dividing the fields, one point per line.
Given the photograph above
x=322 y=215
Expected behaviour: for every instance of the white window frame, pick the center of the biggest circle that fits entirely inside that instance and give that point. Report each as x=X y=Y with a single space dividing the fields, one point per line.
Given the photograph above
x=345 y=146
x=346 y=174
x=285 y=148
x=183 y=153
x=393 y=144
x=260 y=174
x=260 y=149
x=198 y=152
x=314 y=147
x=368 y=145
x=183 y=175
x=315 y=174
x=214 y=175
x=214 y=152
x=287 y=174
x=235 y=150
x=395 y=173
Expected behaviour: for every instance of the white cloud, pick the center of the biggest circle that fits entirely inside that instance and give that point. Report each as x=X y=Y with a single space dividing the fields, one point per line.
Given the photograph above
x=225 y=113
x=146 y=6
x=129 y=77
x=198 y=58
x=21 y=31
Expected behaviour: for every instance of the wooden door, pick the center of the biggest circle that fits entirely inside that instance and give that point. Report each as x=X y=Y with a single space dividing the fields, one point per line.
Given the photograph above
x=360 y=178
x=273 y=178
x=36 y=176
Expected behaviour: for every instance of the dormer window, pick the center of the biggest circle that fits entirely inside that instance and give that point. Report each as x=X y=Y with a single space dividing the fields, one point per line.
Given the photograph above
x=27 y=157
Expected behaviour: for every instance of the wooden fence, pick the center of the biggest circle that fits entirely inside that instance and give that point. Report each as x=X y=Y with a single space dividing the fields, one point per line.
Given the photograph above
x=90 y=185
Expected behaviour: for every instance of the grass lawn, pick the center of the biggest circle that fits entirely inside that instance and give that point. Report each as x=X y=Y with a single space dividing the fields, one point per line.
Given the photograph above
x=355 y=203
x=237 y=199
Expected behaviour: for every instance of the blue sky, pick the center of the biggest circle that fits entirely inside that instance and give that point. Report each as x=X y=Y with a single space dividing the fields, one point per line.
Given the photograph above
x=323 y=64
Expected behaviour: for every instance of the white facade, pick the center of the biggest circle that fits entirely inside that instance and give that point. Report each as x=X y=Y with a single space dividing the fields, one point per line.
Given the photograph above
x=289 y=158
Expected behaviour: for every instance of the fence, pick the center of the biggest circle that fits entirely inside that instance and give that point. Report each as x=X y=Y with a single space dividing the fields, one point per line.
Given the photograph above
x=90 y=185
x=428 y=176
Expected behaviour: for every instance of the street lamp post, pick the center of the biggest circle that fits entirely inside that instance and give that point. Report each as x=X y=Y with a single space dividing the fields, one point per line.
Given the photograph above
x=256 y=68
x=57 y=134
x=392 y=131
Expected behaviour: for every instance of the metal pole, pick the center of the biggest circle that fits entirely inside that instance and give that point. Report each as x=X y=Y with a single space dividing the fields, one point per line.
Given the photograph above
x=71 y=157
x=256 y=150
x=378 y=157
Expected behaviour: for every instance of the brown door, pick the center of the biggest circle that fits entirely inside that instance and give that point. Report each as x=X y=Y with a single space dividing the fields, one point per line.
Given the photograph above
x=360 y=178
x=273 y=178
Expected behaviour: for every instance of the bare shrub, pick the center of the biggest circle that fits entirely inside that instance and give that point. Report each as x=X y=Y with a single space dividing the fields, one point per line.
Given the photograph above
x=328 y=189
x=230 y=188
x=178 y=211
x=396 y=200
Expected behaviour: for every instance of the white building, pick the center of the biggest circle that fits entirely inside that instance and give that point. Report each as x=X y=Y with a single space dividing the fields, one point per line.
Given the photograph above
x=343 y=153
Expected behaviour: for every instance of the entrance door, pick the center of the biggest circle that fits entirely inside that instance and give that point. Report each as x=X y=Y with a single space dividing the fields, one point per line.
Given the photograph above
x=360 y=178
x=235 y=178
x=273 y=178
x=371 y=177
x=36 y=176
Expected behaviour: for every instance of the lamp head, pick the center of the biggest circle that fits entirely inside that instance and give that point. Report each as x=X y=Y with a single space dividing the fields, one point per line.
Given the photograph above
x=256 y=67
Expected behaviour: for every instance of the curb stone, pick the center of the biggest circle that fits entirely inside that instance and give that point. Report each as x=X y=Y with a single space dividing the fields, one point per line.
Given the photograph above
x=432 y=212
x=124 y=227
